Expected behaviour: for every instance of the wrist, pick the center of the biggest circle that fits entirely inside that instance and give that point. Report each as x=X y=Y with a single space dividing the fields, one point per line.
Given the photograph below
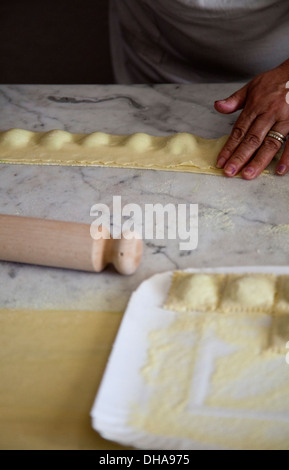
x=285 y=66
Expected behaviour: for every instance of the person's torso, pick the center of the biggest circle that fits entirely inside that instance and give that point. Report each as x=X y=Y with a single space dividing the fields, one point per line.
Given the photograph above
x=197 y=40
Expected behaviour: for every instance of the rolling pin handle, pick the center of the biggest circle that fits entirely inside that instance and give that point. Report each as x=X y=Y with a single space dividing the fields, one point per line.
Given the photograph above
x=64 y=245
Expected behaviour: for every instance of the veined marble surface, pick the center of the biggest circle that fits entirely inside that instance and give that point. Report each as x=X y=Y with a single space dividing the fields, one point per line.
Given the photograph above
x=240 y=223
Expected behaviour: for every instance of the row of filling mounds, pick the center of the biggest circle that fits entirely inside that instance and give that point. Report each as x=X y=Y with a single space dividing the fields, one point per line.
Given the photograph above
x=139 y=142
x=229 y=293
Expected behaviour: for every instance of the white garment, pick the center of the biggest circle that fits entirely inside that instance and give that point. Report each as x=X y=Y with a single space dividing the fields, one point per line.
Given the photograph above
x=183 y=41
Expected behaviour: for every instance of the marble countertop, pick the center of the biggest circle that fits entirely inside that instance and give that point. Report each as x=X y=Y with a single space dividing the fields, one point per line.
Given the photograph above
x=240 y=223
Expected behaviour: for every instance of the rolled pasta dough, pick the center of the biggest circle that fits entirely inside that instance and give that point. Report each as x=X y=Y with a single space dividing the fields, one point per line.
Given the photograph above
x=178 y=152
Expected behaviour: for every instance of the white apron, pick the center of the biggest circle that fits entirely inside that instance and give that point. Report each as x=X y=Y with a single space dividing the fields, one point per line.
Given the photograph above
x=184 y=41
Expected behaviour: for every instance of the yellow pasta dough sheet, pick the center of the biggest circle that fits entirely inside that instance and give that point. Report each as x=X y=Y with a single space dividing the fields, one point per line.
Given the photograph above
x=51 y=364
x=179 y=152
x=201 y=361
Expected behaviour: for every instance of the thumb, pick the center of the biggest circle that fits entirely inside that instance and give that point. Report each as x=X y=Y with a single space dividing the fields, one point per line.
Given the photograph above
x=233 y=103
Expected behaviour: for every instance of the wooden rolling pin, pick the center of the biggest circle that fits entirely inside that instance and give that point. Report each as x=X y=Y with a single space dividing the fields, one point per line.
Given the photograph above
x=64 y=245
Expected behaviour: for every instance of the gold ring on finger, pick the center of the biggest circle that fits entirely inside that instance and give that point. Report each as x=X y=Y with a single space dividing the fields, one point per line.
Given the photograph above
x=277 y=136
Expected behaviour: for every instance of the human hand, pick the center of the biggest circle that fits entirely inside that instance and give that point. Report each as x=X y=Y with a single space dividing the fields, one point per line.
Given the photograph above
x=265 y=104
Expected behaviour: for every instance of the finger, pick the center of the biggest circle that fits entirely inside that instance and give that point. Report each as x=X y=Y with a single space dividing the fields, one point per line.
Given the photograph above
x=283 y=166
x=264 y=156
x=249 y=146
x=233 y=103
x=238 y=133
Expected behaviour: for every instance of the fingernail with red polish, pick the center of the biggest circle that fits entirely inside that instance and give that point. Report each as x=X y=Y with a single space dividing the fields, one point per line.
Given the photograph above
x=281 y=169
x=221 y=162
x=230 y=170
x=249 y=171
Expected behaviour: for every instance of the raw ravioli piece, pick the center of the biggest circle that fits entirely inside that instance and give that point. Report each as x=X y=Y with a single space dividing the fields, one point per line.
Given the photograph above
x=280 y=333
x=250 y=292
x=198 y=292
x=282 y=301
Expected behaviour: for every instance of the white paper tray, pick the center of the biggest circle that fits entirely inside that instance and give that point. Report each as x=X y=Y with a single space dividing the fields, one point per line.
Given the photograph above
x=123 y=384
